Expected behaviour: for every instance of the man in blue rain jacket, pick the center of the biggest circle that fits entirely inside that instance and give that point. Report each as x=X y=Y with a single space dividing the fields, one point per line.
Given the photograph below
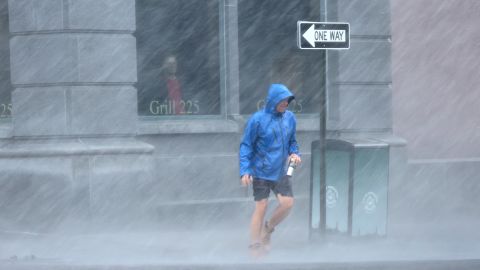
x=268 y=144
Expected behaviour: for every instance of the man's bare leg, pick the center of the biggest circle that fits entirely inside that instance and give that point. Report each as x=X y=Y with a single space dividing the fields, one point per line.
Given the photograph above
x=285 y=204
x=257 y=222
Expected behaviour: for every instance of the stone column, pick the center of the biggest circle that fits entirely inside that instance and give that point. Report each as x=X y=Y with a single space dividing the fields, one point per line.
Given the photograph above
x=73 y=67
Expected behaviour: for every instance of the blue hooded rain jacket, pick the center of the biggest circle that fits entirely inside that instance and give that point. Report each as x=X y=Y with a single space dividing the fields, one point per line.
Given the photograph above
x=269 y=138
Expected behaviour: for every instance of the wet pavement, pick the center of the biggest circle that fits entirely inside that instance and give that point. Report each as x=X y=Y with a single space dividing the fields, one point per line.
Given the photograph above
x=226 y=249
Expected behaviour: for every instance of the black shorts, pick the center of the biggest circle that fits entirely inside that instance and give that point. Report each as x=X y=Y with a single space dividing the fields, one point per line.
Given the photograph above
x=261 y=188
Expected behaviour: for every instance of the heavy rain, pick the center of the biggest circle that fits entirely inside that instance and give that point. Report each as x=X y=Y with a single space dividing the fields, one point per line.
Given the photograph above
x=121 y=123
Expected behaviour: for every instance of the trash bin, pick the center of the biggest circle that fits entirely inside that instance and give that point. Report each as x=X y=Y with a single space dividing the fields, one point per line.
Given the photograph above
x=356 y=187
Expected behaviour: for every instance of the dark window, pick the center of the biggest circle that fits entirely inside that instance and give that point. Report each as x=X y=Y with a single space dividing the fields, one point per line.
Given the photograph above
x=267 y=33
x=178 y=57
x=5 y=84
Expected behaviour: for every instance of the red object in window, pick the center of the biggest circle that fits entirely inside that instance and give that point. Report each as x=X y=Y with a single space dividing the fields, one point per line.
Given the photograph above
x=175 y=94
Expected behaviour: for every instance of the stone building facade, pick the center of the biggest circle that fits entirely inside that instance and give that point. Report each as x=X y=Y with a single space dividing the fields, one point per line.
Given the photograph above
x=89 y=137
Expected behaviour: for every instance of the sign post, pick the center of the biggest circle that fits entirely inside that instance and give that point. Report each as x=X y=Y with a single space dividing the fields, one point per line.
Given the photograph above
x=323 y=35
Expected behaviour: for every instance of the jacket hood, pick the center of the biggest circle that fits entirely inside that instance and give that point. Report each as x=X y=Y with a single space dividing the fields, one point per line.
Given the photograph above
x=277 y=93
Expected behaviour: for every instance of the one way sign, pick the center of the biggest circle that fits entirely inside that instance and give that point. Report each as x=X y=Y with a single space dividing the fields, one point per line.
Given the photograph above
x=323 y=35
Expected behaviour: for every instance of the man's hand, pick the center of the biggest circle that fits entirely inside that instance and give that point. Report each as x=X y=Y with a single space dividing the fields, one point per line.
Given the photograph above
x=295 y=158
x=246 y=179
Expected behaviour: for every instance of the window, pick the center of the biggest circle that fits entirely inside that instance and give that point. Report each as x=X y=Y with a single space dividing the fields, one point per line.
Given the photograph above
x=5 y=84
x=178 y=57
x=268 y=53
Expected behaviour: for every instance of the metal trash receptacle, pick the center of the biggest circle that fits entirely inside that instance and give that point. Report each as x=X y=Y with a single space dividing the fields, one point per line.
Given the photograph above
x=355 y=187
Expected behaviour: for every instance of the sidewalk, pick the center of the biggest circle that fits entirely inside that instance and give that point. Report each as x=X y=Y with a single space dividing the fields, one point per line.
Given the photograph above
x=222 y=247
